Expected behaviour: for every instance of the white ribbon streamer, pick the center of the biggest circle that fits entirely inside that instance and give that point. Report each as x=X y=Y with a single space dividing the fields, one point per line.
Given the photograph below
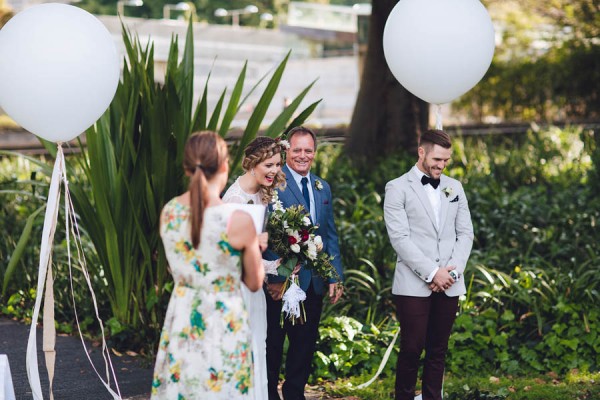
x=438 y=117
x=50 y=219
x=45 y=274
x=49 y=332
x=292 y=298
x=109 y=369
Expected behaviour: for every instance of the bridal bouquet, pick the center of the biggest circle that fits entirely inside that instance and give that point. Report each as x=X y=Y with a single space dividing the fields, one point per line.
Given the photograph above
x=292 y=236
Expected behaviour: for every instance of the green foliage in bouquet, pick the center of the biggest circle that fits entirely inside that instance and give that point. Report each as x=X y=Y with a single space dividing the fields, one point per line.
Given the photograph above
x=292 y=237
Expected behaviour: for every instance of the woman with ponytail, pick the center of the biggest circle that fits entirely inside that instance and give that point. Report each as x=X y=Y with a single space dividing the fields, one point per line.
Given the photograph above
x=205 y=347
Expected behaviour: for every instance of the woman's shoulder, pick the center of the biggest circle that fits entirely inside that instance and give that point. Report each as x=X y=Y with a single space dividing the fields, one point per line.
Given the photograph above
x=234 y=193
x=176 y=204
x=173 y=214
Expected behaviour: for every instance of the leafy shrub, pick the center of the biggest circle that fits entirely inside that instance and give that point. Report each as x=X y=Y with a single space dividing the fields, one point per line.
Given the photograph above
x=561 y=84
x=347 y=347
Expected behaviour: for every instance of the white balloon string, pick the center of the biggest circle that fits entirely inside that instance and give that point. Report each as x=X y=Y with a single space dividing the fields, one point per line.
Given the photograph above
x=438 y=117
x=74 y=230
x=386 y=356
x=48 y=231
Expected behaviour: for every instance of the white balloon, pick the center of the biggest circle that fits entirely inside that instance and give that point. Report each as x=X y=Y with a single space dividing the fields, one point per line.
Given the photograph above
x=438 y=49
x=59 y=70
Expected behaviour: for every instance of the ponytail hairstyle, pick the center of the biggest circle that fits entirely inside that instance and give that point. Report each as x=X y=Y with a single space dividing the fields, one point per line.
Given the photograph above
x=257 y=151
x=204 y=153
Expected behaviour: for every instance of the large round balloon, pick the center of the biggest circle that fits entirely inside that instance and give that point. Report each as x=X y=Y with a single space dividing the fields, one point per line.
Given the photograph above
x=59 y=70
x=438 y=49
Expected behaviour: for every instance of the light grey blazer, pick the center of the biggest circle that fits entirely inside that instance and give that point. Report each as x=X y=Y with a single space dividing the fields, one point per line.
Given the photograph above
x=420 y=244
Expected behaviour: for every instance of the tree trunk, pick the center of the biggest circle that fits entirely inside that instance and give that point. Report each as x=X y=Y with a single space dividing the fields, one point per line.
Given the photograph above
x=386 y=116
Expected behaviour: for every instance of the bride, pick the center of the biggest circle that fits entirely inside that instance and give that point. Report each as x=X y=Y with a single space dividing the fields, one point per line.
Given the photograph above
x=262 y=176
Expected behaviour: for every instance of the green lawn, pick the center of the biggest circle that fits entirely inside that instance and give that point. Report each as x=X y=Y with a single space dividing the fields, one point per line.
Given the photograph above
x=575 y=386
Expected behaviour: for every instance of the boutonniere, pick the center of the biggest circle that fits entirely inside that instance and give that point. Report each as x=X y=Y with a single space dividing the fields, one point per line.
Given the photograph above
x=447 y=191
x=318 y=185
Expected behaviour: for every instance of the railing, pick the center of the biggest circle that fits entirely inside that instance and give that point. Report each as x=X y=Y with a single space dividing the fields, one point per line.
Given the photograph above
x=325 y=17
x=24 y=142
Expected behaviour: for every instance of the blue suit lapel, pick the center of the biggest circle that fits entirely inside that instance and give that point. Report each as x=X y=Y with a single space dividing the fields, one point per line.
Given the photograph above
x=293 y=187
x=317 y=197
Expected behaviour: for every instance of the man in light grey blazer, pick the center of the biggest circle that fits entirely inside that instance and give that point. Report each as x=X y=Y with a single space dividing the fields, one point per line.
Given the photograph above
x=429 y=224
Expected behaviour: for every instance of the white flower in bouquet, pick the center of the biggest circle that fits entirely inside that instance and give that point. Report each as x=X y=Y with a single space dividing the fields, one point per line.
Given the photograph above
x=318 y=242
x=306 y=221
x=312 y=250
x=277 y=206
x=285 y=225
x=295 y=248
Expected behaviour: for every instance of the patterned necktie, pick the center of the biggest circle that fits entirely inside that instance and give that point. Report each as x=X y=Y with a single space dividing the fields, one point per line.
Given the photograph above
x=433 y=182
x=304 y=182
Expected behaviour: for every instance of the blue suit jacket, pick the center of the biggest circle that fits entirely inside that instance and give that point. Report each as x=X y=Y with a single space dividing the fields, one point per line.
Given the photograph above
x=326 y=229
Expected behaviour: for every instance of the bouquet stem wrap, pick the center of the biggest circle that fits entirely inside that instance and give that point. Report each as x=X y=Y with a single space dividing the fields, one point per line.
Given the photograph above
x=293 y=298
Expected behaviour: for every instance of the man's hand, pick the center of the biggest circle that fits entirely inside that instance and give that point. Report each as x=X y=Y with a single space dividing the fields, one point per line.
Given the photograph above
x=442 y=280
x=296 y=269
x=335 y=292
x=275 y=290
x=263 y=241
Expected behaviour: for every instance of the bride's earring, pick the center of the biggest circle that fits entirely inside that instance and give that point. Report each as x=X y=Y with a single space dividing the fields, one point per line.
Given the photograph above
x=252 y=172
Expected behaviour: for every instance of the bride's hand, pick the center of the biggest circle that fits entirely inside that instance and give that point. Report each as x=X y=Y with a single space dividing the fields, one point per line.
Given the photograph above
x=275 y=290
x=263 y=241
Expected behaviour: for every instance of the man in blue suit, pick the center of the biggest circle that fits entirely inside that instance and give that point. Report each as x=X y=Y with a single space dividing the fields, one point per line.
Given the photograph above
x=314 y=194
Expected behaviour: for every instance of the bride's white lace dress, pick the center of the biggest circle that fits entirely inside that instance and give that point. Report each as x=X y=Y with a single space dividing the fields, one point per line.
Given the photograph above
x=255 y=302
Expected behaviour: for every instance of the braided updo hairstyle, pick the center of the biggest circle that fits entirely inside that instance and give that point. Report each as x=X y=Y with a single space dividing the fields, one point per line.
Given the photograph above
x=256 y=152
x=203 y=155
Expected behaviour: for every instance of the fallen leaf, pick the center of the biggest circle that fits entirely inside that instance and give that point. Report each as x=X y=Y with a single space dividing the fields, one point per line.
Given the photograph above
x=116 y=353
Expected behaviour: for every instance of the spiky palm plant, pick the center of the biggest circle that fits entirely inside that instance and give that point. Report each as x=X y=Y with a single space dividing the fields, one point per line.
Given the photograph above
x=133 y=163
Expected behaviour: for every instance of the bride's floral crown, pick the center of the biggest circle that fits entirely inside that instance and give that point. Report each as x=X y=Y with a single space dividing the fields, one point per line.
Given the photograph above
x=268 y=143
x=283 y=142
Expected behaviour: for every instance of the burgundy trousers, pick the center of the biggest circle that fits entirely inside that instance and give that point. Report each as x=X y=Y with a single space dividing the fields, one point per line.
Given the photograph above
x=425 y=324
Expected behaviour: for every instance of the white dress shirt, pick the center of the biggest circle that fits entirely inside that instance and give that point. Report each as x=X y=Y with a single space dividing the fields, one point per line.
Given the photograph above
x=298 y=179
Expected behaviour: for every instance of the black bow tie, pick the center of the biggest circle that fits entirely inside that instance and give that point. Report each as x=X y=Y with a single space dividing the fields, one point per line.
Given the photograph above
x=433 y=182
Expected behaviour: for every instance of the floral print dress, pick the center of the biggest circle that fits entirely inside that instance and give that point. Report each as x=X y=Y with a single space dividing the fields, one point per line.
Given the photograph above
x=205 y=345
